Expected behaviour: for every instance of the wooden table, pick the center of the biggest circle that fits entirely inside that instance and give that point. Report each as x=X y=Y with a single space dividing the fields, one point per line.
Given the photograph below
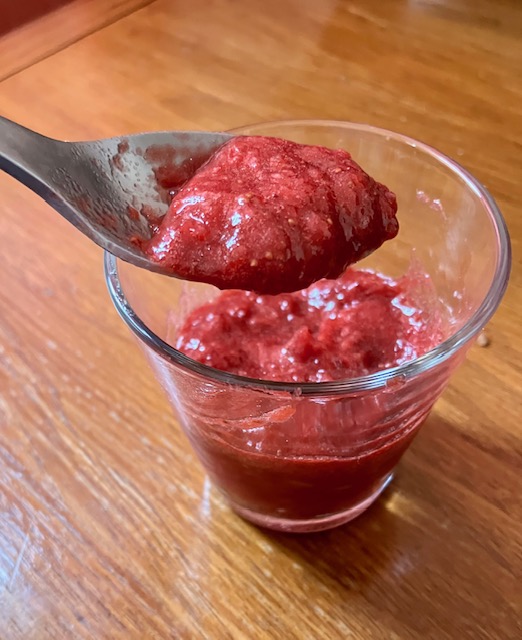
x=108 y=527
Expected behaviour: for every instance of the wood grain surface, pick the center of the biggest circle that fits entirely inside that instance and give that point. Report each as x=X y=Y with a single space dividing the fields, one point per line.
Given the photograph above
x=43 y=27
x=108 y=526
x=15 y=14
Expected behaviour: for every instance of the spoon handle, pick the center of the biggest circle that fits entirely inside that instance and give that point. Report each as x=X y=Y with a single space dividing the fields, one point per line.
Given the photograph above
x=25 y=155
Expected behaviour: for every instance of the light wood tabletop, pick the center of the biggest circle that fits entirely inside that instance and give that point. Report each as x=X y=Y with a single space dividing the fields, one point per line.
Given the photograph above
x=108 y=526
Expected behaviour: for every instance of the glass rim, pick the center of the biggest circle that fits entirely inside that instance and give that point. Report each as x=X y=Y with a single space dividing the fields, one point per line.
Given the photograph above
x=379 y=379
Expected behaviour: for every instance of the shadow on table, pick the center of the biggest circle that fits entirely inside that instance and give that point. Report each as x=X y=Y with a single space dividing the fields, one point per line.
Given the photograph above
x=353 y=554
x=396 y=536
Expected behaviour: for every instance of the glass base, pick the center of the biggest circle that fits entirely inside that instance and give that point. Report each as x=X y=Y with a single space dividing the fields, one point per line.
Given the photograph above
x=311 y=525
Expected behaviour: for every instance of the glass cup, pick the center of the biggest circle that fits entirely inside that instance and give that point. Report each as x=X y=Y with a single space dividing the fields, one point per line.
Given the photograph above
x=312 y=456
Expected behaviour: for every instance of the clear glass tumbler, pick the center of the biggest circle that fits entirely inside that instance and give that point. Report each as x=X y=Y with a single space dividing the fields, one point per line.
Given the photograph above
x=307 y=457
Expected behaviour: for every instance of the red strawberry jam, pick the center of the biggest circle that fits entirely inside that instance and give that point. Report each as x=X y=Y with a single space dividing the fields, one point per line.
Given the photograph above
x=353 y=326
x=306 y=460
x=271 y=216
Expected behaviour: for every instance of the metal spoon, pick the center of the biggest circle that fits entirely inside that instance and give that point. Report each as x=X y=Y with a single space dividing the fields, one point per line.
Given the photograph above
x=108 y=189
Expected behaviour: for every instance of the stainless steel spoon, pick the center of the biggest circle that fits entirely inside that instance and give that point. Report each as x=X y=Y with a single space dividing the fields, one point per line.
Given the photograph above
x=108 y=189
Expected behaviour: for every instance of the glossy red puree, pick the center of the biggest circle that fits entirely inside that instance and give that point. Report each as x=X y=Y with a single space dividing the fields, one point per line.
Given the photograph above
x=304 y=459
x=270 y=215
x=344 y=328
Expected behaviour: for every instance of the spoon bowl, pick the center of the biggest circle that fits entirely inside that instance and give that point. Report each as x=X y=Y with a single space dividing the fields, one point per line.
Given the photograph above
x=112 y=190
